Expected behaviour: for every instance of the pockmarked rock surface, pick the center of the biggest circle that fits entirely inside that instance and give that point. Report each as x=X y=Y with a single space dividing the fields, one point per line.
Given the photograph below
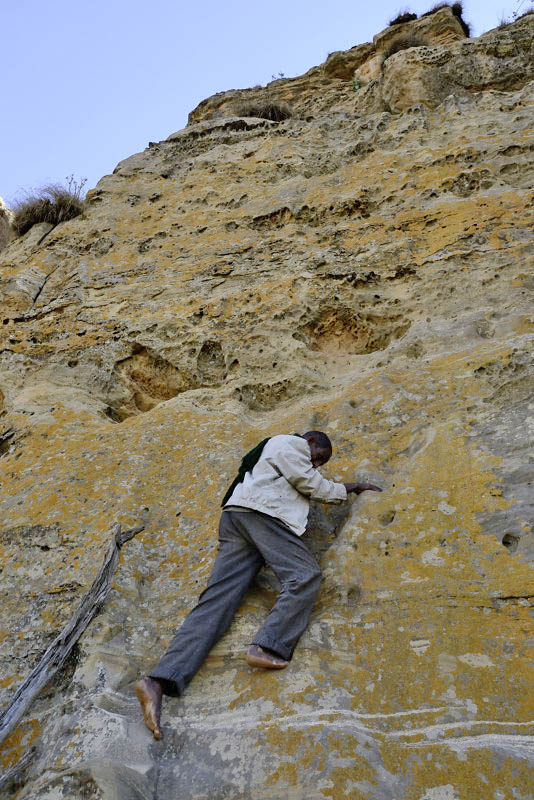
x=363 y=269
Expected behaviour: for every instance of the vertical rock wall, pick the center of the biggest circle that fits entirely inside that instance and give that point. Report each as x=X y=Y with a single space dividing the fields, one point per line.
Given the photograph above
x=361 y=269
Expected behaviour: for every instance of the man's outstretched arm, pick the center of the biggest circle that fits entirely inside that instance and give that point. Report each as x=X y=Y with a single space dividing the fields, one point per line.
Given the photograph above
x=297 y=468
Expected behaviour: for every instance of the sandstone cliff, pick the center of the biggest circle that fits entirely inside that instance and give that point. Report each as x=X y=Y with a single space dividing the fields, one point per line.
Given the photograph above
x=364 y=267
x=5 y=224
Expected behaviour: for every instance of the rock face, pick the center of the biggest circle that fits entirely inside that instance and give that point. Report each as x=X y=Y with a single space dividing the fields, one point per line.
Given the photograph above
x=364 y=267
x=6 y=217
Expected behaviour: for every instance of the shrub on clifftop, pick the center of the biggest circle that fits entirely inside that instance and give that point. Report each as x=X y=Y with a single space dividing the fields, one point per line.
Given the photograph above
x=457 y=10
x=403 y=16
x=53 y=204
x=515 y=16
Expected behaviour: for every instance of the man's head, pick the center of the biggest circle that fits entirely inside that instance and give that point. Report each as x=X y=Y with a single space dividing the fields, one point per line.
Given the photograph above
x=320 y=447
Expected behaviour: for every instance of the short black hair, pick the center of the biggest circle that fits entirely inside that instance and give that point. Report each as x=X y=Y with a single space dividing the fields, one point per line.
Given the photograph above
x=321 y=439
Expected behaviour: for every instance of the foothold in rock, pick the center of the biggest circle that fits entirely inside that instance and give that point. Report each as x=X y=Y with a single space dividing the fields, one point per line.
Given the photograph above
x=511 y=542
x=386 y=518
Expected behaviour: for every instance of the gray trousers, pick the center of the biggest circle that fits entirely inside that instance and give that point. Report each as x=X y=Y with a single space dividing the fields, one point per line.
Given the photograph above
x=247 y=541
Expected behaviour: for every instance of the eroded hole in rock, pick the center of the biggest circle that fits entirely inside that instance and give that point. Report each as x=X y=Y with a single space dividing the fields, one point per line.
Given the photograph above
x=353 y=595
x=100 y=247
x=145 y=378
x=415 y=350
x=386 y=518
x=275 y=219
x=152 y=241
x=360 y=206
x=466 y=183
x=6 y=441
x=210 y=362
x=150 y=379
x=510 y=541
x=340 y=329
x=511 y=380
x=116 y=415
x=266 y=396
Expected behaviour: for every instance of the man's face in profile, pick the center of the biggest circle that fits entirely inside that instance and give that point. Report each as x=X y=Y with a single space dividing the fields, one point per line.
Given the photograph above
x=319 y=455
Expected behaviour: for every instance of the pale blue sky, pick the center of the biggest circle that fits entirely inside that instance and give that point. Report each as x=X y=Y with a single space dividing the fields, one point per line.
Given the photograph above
x=86 y=84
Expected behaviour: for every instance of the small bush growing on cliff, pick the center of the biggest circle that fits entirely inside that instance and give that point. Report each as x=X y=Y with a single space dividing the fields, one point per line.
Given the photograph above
x=457 y=10
x=266 y=110
x=403 y=16
x=404 y=43
x=53 y=204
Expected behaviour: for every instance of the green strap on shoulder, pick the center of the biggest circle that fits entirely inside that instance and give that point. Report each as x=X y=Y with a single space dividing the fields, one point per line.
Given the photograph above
x=248 y=462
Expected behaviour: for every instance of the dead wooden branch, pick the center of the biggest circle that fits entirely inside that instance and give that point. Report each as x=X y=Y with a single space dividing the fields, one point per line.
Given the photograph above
x=63 y=644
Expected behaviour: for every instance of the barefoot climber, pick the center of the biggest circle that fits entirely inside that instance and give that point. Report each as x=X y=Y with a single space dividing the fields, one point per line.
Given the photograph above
x=264 y=515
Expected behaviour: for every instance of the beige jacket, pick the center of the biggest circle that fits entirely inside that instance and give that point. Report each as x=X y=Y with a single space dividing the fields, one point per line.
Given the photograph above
x=284 y=481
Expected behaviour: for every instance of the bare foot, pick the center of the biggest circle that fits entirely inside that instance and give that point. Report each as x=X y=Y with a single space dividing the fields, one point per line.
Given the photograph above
x=259 y=657
x=149 y=694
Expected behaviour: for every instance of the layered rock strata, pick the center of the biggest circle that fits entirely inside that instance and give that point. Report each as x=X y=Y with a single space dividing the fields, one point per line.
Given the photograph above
x=364 y=267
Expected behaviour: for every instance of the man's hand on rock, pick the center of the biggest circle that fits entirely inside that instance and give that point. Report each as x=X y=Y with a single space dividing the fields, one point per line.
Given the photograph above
x=358 y=488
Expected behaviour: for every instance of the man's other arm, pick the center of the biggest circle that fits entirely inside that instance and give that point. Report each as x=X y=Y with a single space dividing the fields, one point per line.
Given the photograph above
x=358 y=488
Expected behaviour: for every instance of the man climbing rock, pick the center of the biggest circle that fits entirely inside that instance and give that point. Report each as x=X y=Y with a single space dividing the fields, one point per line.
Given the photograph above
x=265 y=511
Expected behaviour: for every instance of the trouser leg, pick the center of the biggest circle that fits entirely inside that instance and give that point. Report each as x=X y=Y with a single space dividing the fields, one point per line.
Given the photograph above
x=236 y=564
x=299 y=575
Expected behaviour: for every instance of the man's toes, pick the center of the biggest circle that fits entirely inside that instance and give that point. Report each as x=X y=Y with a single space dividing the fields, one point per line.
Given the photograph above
x=152 y=721
x=154 y=727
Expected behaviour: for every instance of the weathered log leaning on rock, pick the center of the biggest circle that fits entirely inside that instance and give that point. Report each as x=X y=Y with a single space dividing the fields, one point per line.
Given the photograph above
x=62 y=645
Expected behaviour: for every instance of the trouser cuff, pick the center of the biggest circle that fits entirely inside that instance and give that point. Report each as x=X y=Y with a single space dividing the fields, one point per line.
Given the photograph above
x=173 y=687
x=275 y=646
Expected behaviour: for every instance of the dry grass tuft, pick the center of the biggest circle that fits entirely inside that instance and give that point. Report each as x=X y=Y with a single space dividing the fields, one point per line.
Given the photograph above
x=53 y=204
x=457 y=10
x=403 y=16
x=504 y=21
x=266 y=110
x=404 y=43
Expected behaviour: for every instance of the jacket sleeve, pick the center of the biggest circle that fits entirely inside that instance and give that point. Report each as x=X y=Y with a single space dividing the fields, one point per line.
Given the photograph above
x=296 y=467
